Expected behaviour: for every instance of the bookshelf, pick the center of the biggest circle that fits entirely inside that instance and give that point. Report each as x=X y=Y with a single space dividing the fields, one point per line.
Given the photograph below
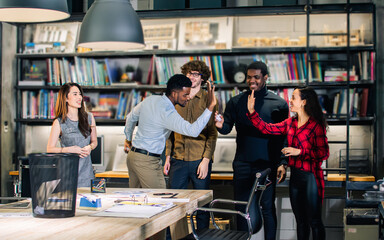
x=90 y=71
x=284 y=50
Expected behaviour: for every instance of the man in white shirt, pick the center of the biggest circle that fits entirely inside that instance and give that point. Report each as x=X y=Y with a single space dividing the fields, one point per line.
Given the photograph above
x=157 y=118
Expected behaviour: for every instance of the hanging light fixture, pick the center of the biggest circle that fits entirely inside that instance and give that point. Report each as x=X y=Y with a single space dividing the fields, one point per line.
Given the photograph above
x=111 y=25
x=33 y=10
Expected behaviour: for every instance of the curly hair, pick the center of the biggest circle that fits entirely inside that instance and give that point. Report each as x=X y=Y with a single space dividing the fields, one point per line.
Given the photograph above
x=61 y=109
x=312 y=106
x=199 y=66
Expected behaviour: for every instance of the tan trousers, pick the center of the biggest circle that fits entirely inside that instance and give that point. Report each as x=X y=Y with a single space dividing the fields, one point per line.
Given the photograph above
x=147 y=172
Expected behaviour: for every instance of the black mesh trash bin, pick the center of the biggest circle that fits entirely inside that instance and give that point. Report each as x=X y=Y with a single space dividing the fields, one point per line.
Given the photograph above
x=53 y=184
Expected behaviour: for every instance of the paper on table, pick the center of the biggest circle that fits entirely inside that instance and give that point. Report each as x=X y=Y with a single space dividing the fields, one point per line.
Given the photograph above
x=167 y=200
x=136 y=211
x=133 y=193
x=15 y=214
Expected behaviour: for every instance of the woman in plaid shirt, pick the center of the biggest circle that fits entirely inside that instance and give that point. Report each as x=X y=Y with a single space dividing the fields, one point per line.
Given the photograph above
x=307 y=149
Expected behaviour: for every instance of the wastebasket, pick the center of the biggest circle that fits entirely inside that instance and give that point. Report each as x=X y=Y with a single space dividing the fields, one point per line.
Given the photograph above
x=53 y=184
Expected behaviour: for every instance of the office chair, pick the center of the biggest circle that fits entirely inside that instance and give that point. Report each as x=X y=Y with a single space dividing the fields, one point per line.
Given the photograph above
x=254 y=219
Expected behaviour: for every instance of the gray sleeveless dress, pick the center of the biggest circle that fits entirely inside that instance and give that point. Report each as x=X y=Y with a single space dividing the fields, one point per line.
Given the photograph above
x=71 y=136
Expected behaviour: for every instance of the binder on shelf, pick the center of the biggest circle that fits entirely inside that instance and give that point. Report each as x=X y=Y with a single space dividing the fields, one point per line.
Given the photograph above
x=364 y=102
x=372 y=65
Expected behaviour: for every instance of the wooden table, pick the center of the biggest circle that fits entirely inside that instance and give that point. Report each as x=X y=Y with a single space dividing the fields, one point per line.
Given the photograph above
x=352 y=177
x=124 y=175
x=83 y=226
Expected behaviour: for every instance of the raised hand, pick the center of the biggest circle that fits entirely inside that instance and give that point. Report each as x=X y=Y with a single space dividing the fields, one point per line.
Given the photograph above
x=251 y=102
x=211 y=96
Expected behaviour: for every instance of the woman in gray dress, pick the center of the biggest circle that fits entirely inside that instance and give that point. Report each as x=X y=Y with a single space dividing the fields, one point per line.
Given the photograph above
x=76 y=130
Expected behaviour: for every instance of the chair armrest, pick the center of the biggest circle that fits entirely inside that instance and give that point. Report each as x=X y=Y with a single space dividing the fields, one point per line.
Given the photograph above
x=220 y=210
x=216 y=210
x=220 y=200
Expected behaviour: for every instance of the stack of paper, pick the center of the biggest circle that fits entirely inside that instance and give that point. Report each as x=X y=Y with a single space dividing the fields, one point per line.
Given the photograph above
x=135 y=210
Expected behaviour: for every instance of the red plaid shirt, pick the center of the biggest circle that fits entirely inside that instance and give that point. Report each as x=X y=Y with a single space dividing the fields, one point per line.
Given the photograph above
x=310 y=138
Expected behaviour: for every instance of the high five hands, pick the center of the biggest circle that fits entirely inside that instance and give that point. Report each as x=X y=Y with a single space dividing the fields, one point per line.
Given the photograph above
x=211 y=96
x=251 y=102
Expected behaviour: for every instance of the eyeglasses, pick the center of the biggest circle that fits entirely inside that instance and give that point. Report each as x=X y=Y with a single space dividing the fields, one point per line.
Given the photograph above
x=195 y=74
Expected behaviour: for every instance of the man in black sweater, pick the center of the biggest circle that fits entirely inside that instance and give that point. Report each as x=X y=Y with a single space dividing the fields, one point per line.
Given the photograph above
x=256 y=151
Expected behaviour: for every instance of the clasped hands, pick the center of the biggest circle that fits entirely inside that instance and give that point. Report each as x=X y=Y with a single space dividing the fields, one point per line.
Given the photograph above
x=81 y=151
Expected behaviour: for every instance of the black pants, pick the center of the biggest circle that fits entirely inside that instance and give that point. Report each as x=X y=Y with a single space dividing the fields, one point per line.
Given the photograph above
x=306 y=205
x=244 y=178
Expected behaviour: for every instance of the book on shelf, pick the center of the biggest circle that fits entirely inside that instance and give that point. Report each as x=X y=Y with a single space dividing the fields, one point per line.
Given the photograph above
x=223 y=96
x=353 y=104
x=102 y=113
x=122 y=103
x=286 y=68
x=366 y=65
x=364 y=102
x=127 y=101
x=285 y=94
x=372 y=65
x=166 y=67
x=337 y=75
x=108 y=99
x=31 y=82
x=102 y=105
x=358 y=103
x=133 y=83
x=38 y=104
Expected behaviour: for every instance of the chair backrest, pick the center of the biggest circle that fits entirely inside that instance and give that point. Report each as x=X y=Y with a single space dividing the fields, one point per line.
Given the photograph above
x=253 y=205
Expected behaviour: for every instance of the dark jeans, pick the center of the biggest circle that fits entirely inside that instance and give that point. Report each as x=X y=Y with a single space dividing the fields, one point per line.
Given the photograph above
x=244 y=174
x=306 y=205
x=183 y=172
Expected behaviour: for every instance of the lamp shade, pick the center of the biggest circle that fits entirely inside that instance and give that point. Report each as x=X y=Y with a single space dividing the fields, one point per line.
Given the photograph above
x=111 y=25
x=33 y=10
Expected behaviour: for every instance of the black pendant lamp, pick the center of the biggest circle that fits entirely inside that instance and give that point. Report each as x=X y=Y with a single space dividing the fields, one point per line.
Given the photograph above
x=111 y=25
x=33 y=10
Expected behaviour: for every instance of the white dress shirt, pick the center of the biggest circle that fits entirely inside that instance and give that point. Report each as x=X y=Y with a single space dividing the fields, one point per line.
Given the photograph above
x=157 y=118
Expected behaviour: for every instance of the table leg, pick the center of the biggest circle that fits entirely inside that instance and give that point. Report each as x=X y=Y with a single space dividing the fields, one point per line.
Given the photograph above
x=179 y=229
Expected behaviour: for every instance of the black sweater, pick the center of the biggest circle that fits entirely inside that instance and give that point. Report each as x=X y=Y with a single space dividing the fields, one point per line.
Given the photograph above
x=252 y=145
